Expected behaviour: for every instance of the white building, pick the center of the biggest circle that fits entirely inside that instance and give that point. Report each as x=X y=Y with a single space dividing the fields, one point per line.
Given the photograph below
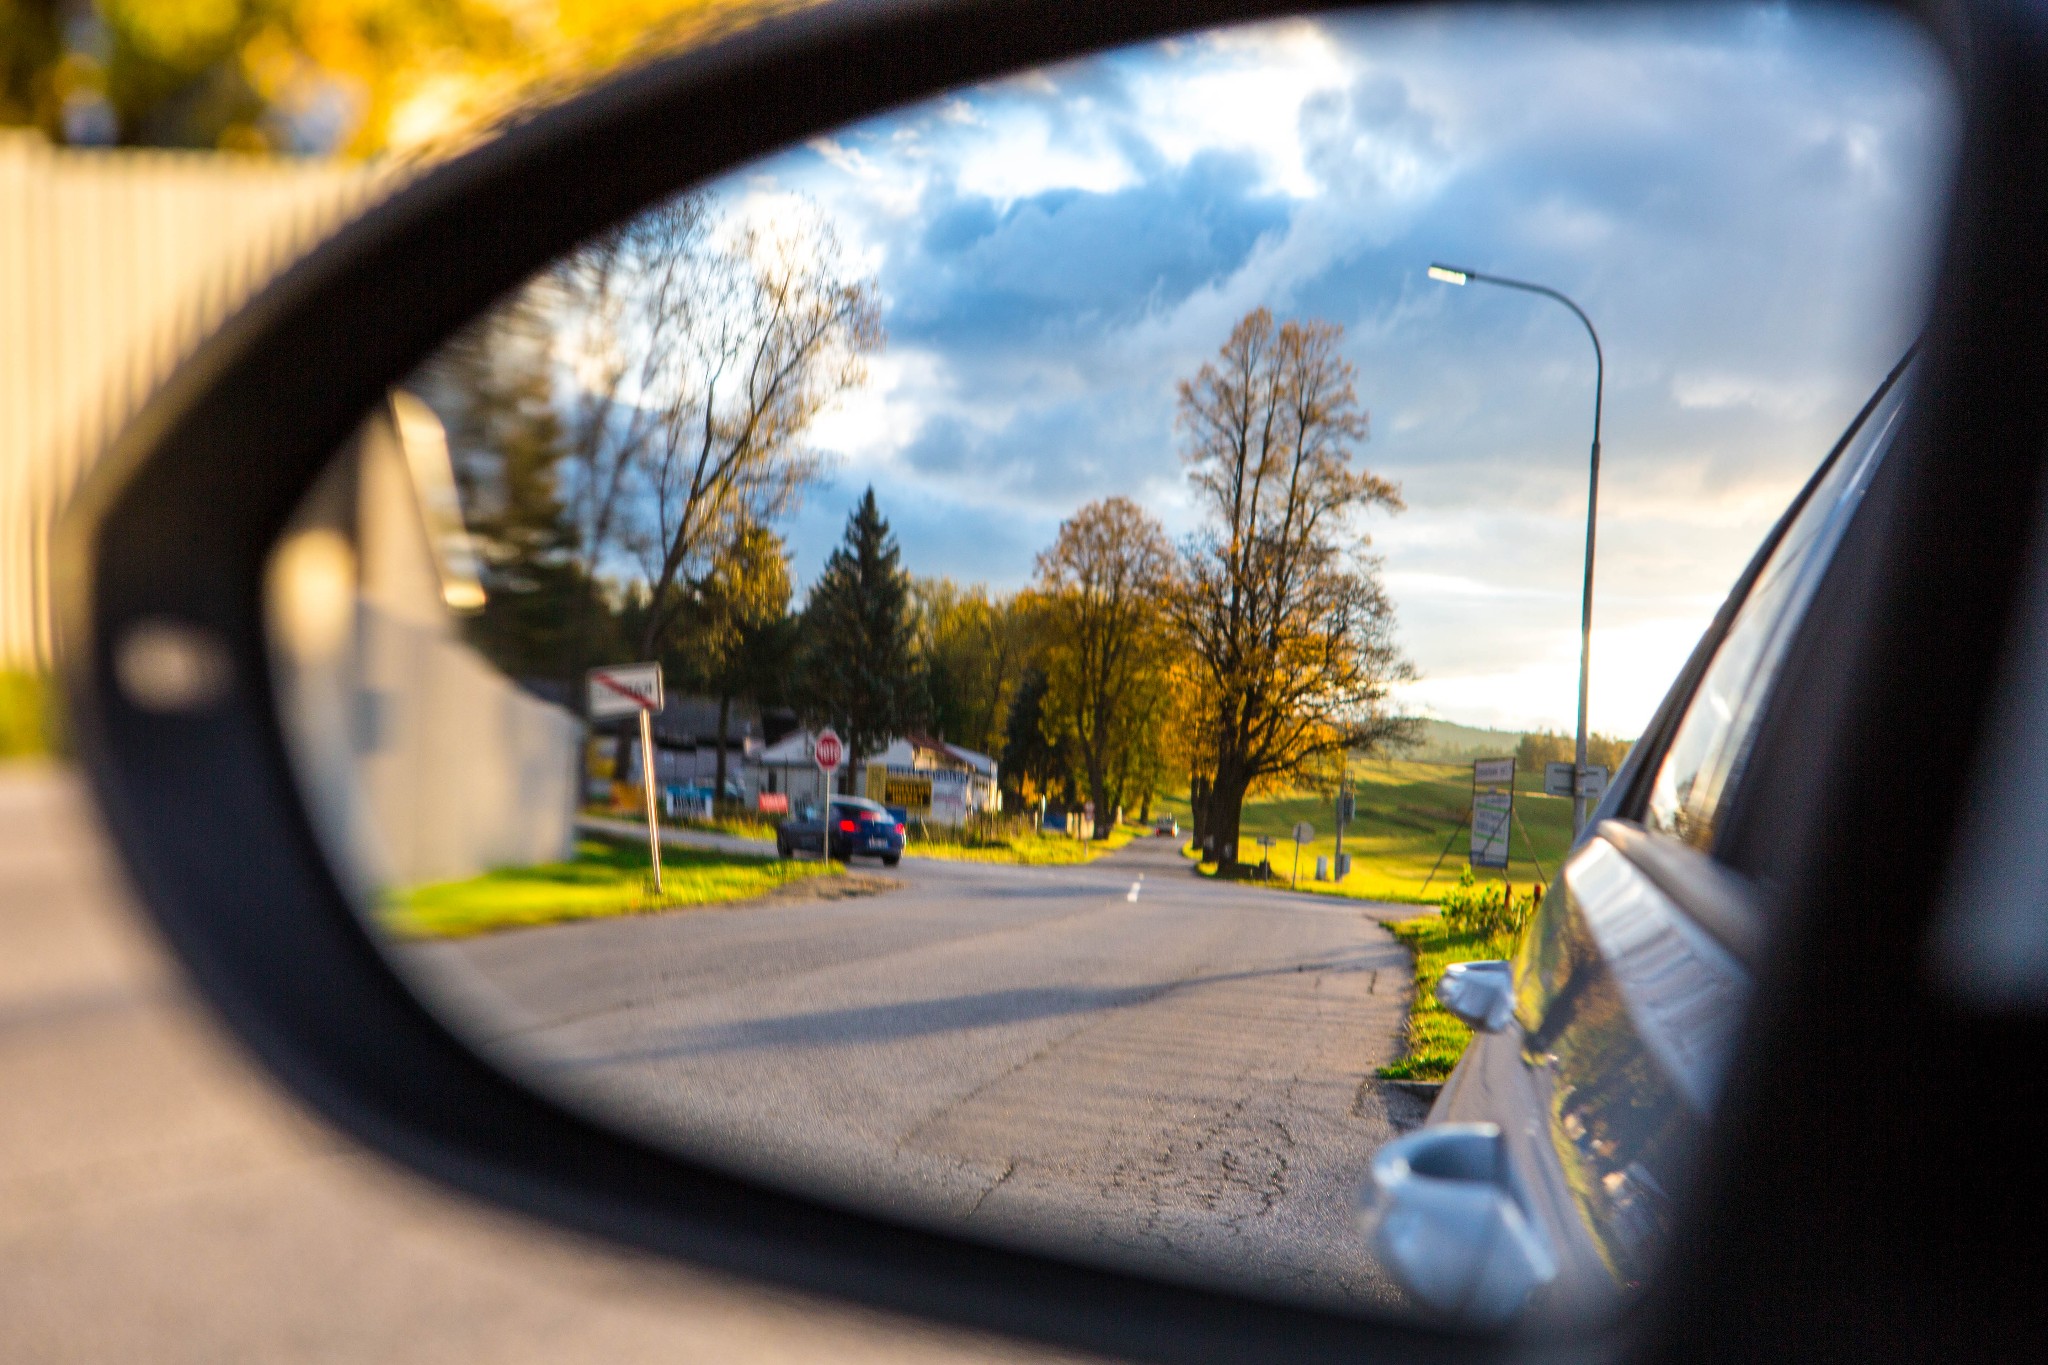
x=928 y=778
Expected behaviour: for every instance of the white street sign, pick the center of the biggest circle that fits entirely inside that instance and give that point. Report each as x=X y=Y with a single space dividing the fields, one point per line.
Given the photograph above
x=1304 y=833
x=1557 y=780
x=624 y=689
x=1493 y=771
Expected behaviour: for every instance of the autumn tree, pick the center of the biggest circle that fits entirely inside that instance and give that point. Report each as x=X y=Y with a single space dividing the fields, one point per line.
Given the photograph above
x=972 y=648
x=1099 y=591
x=857 y=664
x=736 y=633
x=1278 y=603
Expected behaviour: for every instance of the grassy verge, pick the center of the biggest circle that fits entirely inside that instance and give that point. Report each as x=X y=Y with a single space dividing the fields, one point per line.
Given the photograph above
x=604 y=879
x=30 y=726
x=1407 y=812
x=1028 y=850
x=1435 y=1037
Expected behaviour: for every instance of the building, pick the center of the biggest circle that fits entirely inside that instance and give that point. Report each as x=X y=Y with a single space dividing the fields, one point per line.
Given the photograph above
x=685 y=749
x=933 y=780
x=420 y=761
x=927 y=778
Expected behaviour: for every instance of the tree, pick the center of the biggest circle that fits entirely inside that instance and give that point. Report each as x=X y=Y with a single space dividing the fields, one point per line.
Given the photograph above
x=971 y=652
x=736 y=625
x=1033 y=763
x=760 y=335
x=356 y=77
x=492 y=388
x=1278 y=604
x=1100 y=589
x=858 y=670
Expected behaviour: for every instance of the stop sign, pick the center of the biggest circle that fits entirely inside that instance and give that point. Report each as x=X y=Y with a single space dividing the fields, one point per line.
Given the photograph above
x=828 y=751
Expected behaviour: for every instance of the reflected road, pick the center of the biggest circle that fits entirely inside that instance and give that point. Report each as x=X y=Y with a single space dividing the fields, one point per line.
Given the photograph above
x=1120 y=1058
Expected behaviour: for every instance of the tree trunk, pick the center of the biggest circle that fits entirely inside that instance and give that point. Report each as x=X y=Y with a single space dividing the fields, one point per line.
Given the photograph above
x=1098 y=792
x=724 y=719
x=1198 y=815
x=1226 y=815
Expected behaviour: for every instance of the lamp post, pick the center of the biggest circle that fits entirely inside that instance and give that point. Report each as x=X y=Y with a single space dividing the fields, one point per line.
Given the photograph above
x=1452 y=275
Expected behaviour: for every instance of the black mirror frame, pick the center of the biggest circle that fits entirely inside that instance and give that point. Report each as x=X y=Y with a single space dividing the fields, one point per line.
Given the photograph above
x=177 y=524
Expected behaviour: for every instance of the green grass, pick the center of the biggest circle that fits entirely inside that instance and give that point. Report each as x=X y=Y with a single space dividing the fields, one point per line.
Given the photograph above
x=1435 y=1037
x=30 y=726
x=605 y=879
x=1027 y=850
x=1406 y=812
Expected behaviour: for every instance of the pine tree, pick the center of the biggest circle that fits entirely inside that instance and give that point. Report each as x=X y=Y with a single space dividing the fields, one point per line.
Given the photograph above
x=859 y=674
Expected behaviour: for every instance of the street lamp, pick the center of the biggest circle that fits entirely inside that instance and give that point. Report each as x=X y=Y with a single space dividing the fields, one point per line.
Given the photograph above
x=1452 y=275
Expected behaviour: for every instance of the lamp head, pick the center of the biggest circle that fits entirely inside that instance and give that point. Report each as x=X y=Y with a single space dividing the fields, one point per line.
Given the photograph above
x=1445 y=274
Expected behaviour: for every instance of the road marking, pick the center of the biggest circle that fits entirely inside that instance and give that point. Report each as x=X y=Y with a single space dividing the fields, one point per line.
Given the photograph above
x=1134 y=889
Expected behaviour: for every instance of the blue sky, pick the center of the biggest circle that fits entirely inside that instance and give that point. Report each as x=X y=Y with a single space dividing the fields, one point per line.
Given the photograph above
x=1746 y=201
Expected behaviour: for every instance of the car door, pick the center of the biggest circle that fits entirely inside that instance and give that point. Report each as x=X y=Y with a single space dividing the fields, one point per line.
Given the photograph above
x=1630 y=985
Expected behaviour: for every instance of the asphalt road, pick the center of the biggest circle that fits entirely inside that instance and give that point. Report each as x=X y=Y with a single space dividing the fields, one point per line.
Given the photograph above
x=161 y=1202
x=1118 y=1059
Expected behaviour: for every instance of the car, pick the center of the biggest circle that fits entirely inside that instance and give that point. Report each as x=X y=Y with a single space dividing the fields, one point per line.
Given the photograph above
x=855 y=826
x=1600 y=1051
x=1166 y=827
x=1775 y=1028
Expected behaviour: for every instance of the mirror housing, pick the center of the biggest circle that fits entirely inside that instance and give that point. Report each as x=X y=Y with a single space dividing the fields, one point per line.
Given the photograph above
x=1443 y=1216
x=1480 y=994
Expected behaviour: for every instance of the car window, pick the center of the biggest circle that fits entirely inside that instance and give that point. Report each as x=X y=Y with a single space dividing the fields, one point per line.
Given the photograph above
x=1704 y=764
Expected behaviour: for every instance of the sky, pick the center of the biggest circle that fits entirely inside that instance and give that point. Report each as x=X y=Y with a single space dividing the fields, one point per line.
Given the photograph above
x=1745 y=200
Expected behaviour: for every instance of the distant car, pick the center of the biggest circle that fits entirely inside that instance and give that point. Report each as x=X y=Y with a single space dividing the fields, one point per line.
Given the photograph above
x=1166 y=827
x=856 y=826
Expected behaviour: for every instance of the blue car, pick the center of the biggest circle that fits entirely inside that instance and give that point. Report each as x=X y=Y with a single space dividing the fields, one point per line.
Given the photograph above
x=856 y=827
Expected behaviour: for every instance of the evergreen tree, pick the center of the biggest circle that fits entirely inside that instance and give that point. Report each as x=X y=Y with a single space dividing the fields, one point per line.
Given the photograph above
x=858 y=669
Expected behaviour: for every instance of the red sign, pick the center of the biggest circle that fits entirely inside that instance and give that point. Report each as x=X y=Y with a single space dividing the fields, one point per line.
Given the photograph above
x=828 y=751
x=773 y=803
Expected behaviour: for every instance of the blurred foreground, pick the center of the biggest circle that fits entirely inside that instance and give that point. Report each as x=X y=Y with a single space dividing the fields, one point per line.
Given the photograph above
x=159 y=1201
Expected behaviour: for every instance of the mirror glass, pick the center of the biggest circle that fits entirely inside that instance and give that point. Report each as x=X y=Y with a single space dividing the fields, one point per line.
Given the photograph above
x=1089 y=618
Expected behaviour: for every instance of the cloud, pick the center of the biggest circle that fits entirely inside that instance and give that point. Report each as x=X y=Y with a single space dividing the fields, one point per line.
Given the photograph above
x=1743 y=198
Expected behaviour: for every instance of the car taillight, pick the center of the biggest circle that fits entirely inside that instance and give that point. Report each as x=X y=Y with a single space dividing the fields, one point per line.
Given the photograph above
x=899 y=829
x=846 y=826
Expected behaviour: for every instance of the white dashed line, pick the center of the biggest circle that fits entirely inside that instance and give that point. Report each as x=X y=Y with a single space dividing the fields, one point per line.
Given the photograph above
x=1134 y=890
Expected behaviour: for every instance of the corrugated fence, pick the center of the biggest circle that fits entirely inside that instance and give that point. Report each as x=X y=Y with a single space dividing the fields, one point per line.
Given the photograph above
x=113 y=266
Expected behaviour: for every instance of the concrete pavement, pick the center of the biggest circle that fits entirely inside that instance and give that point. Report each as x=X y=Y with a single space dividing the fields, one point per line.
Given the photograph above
x=1119 y=1060
x=160 y=1202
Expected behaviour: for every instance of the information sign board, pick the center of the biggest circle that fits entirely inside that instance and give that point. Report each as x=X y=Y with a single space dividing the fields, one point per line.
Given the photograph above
x=1493 y=810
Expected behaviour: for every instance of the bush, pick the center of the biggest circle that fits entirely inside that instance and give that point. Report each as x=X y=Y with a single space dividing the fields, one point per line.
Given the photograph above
x=1484 y=911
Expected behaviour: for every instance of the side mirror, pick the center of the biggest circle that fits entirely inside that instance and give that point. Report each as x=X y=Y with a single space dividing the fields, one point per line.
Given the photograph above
x=1481 y=994
x=1443 y=1216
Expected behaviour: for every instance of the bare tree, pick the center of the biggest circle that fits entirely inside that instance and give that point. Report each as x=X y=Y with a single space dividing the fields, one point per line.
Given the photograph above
x=776 y=333
x=694 y=354
x=1101 y=586
x=1288 y=630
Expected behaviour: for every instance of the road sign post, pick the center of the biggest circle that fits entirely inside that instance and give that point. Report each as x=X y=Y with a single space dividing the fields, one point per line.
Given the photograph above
x=621 y=690
x=1303 y=832
x=828 y=751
